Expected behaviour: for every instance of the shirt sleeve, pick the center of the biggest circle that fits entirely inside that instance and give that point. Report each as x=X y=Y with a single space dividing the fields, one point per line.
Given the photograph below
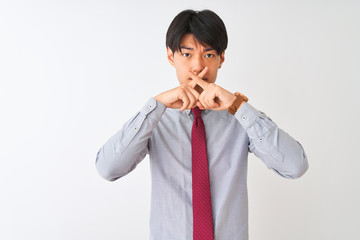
x=127 y=147
x=277 y=149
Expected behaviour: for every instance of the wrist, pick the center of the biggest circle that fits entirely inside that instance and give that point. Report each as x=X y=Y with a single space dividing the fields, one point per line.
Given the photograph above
x=158 y=98
x=241 y=104
x=240 y=99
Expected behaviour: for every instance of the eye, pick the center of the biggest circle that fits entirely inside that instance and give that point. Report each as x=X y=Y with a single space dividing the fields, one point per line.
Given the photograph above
x=209 y=55
x=186 y=55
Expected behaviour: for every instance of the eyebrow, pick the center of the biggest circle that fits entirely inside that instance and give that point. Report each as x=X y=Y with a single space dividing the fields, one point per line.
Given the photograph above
x=192 y=49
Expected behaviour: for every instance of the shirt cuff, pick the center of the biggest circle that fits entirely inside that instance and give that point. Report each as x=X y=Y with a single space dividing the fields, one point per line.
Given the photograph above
x=247 y=115
x=153 y=109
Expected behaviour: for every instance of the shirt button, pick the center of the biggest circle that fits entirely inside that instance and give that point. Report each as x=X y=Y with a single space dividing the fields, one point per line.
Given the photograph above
x=243 y=117
x=261 y=139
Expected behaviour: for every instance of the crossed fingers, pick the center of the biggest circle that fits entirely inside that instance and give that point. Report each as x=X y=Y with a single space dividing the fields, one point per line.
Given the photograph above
x=195 y=79
x=208 y=91
x=189 y=97
x=191 y=93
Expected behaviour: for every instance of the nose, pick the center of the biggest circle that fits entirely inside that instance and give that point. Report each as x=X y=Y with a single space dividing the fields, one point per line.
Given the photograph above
x=197 y=65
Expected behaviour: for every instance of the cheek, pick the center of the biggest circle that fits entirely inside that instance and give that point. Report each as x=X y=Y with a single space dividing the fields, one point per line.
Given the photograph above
x=212 y=75
x=213 y=72
x=182 y=72
x=182 y=75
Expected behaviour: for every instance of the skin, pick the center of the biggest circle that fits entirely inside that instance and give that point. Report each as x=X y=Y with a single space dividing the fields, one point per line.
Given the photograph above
x=196 y=69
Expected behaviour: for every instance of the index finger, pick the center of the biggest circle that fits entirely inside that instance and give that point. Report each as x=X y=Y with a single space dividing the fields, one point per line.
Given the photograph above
x=200 y=75
x=203 y=72
x=198 y=80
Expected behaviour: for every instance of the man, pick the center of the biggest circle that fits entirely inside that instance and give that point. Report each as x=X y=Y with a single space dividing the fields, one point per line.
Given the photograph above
x=190 y=199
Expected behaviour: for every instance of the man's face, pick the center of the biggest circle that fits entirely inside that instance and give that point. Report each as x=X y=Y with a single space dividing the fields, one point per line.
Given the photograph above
x=195 y=57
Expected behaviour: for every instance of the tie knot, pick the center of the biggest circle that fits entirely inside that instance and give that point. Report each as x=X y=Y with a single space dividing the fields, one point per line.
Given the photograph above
x=196 y=111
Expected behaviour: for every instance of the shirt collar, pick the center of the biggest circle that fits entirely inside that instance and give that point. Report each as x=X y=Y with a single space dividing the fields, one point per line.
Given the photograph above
x=188 y=111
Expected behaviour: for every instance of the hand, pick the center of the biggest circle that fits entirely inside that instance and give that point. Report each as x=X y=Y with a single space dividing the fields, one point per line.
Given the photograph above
x=182 y=97
x=213 y=96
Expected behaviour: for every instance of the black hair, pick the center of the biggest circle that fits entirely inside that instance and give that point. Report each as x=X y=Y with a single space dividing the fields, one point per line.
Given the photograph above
x=206 y=26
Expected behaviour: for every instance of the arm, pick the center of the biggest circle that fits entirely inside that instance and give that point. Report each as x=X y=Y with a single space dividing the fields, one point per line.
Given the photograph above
x=277 y=149
x=126 y=148
x=123 y=151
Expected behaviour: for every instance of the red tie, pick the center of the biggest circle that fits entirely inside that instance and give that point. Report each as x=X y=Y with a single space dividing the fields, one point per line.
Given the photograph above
x=202 y=213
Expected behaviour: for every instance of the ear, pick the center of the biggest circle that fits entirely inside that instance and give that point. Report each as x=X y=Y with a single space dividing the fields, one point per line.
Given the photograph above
x=170 y=56
x=222 y=58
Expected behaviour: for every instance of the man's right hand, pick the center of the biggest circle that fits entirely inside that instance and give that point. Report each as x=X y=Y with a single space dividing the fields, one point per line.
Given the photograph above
x=182 y=97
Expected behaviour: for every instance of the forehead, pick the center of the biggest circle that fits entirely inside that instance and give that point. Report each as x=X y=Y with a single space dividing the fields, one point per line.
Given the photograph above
x=189 y=40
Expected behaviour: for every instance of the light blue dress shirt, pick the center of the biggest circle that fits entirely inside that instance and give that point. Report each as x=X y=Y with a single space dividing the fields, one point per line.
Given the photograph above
x=165 y=134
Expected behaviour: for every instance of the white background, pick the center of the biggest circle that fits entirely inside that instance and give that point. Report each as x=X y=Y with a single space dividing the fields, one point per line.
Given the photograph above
x=72 y=72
